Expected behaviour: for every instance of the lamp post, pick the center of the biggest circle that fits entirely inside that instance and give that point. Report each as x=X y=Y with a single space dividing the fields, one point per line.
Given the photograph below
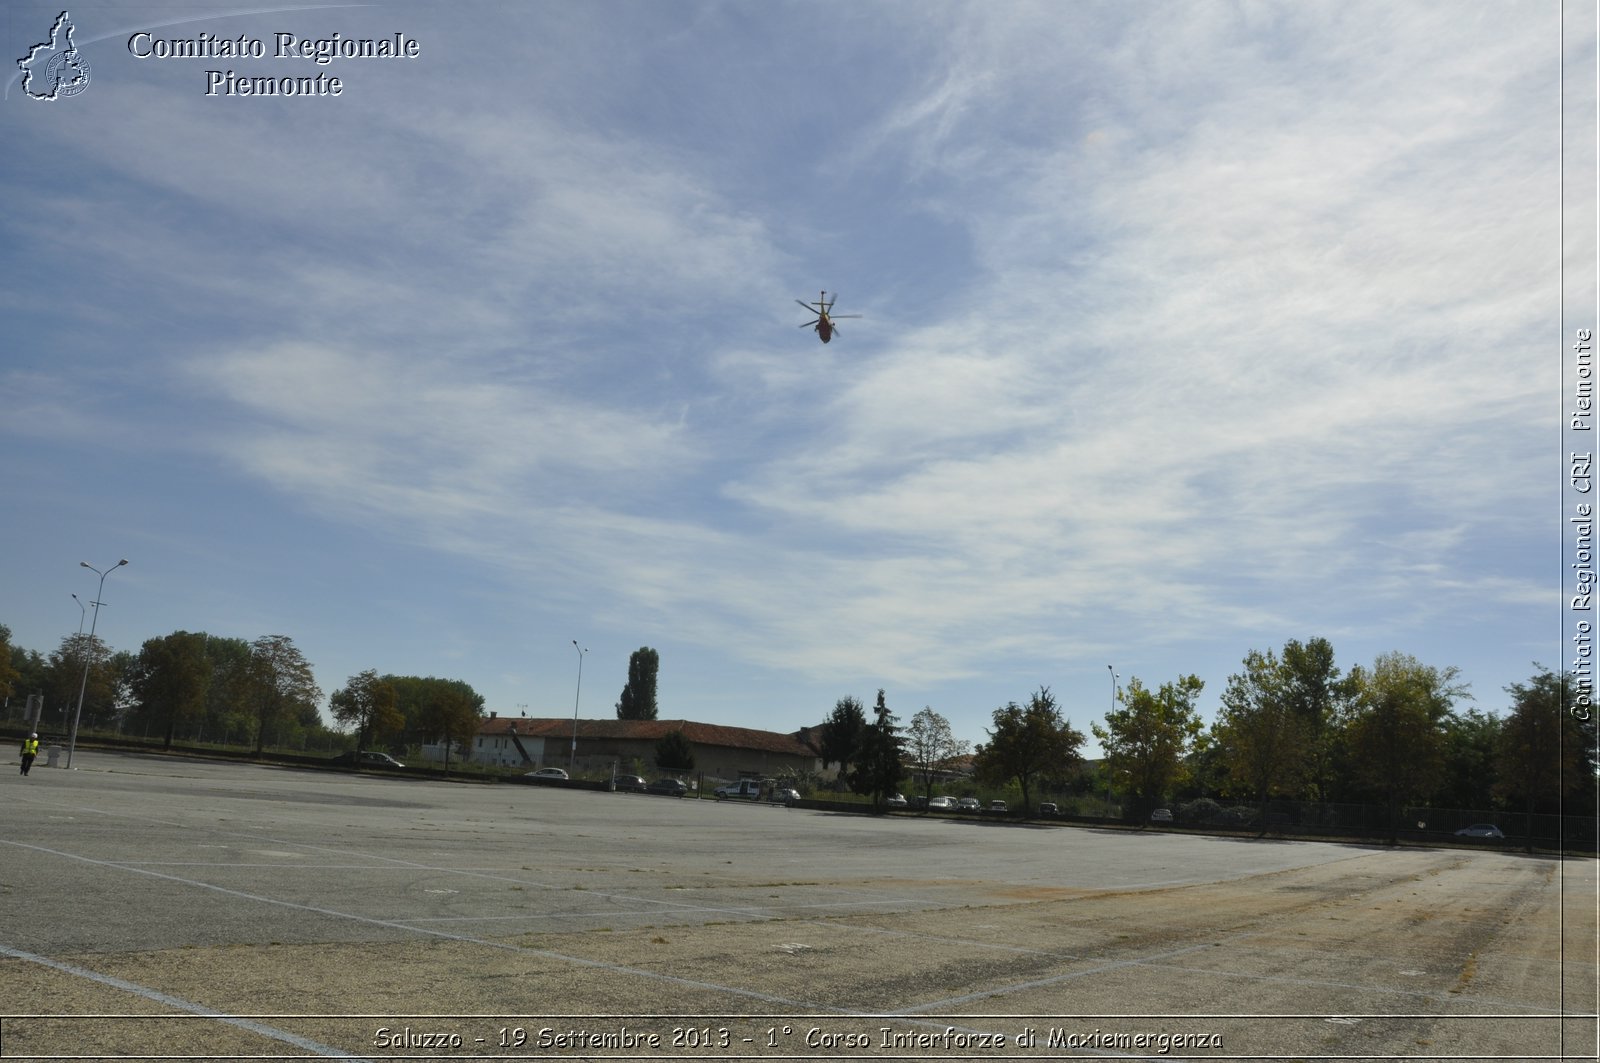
x=1114 y=678
x=572 y=763
x=83 y=684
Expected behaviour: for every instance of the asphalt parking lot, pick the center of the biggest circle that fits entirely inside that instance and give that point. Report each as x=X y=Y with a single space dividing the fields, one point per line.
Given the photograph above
x=173 y=907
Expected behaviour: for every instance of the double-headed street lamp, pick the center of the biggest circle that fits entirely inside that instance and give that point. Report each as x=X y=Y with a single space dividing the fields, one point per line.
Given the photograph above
x=72 y=743
x=572 y=763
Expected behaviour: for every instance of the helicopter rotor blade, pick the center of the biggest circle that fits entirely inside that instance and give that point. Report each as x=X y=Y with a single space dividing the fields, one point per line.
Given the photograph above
x=808 y=306
x=836 y=317
x=811 y=324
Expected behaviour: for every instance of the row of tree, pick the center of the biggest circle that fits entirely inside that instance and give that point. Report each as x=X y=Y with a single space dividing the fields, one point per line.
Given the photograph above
x=1291 y=726
x=197 y=686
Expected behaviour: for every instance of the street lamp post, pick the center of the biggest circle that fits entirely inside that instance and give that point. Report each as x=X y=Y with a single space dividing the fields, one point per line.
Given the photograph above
x=572 y=763
x=83 y=684
x=1114 y=678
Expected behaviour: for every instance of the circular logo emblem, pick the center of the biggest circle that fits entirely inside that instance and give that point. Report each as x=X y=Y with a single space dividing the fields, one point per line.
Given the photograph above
x=67 y=73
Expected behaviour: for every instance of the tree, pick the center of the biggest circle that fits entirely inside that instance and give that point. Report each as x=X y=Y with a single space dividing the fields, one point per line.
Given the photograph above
x=1145 y=742
x=8 y=673
x=842 y=734
x=1265 y=737
x=413 y=695
x=674 y=752
x=281 y=686
x=931 y=747
x=230 y=702
x=1395 y=729
x=1469 y=775
x=639 y=694
x=1029 y=743
x=65 y=677
x=1316 y=693
x=451 y=712
x=1546 y=751
x=171 y=678
x=369 y=704
x=31 y=670
x=879 y=766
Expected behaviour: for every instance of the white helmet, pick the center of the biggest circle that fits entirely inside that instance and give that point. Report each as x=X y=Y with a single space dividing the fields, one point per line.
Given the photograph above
x=34 y=735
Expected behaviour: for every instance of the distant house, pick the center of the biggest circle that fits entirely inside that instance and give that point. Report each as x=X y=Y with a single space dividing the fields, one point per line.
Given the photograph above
x=719 y=752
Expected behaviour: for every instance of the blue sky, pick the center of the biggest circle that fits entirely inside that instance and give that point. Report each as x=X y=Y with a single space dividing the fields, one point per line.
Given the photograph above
x=1188 y=329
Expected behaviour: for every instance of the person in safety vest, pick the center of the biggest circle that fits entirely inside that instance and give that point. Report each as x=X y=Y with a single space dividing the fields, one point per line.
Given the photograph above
x=30 y=749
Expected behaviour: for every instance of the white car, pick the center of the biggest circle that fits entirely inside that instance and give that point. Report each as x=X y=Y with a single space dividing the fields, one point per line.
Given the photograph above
x=946 y=803
x=895 y=801
x=997 y=806
x=546 y=773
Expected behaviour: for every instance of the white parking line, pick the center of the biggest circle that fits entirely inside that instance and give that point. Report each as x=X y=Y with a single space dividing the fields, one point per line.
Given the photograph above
x=181 y=1004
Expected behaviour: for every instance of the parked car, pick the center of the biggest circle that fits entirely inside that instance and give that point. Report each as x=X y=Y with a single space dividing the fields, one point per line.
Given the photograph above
x=948 y=804
x=367 y=759
x=669 y=787
x=1048 y=808
x=895 y=801
x=1480 y=830
x=784 y=796
x=630 y=783
x=1161 y=815
x=998 y=806
x=968 y=804
x=745 y=789
x=546 y=773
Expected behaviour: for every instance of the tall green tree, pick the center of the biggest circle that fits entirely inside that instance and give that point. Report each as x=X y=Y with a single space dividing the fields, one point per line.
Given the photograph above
x=879 y=766
x=65 y=678
x=1546 y=754
x=1265 y=739
x=842 y=734
x=231 y=709
x=1395 y=729
x=1147 y=740
x=638 y=700
x=452 y=713
x=1029 y=744
x=369 y=704
x=931 y=747
x=281 y=686
x=171 y=679
x=1470 y=768
x=1317 y=693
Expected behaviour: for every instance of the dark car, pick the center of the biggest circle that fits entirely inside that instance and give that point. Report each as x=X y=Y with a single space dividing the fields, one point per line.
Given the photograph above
x=1486 y=831
x=367 y=759
x=631 y=783
x=669 y=787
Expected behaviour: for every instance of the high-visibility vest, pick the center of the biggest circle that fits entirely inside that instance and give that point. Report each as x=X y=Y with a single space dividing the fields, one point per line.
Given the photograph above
x=30 y=746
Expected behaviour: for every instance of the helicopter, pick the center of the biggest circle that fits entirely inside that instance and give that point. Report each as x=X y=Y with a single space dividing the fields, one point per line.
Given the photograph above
x=824 y=322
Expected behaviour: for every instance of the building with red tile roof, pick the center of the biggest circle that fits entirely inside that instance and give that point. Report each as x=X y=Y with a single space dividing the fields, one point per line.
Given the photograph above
x=720 y=751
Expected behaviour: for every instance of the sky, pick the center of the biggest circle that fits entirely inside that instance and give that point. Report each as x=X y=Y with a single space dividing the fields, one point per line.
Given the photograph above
x=1187 y=329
